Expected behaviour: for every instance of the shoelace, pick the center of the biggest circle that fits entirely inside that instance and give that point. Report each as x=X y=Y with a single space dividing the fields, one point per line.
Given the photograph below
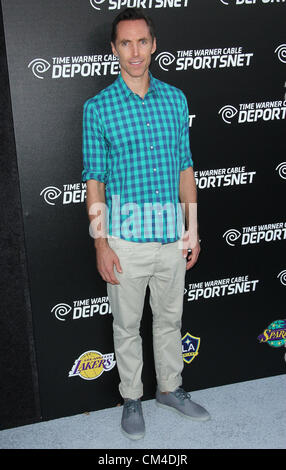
x=131 y=406
x=182 y=395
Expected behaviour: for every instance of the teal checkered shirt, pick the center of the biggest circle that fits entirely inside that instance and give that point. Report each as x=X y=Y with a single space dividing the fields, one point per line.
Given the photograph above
x=138 y=147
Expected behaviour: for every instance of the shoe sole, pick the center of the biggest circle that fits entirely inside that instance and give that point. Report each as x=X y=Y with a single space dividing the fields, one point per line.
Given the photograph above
x=193 y=418
x=133 y=437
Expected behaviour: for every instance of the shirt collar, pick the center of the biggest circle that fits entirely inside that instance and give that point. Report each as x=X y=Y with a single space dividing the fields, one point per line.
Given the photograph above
x=126 y=90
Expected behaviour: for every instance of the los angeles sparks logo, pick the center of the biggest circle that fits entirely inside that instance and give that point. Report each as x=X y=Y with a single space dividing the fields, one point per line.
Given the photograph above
x=275 y=334
x=91 y=365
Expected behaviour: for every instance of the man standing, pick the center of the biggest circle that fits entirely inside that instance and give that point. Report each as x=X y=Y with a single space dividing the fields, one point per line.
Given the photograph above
x=137 y=160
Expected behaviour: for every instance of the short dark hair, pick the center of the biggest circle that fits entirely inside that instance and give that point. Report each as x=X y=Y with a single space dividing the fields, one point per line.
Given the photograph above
x=131 y=14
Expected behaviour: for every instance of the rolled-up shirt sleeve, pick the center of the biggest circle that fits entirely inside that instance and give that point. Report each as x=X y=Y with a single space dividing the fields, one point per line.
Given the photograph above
x=94 y=146
x=184 y=145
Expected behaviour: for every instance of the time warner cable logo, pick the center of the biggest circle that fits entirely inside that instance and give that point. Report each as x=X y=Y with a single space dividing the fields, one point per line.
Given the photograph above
x=282 y=277
x=71 y=67
x=256 y=234
x=71 y=193
x=281 y=53
x=117 y=4
x=250 y=2
x=81 y=309
x=253 y=112
x=39 y=66
x=281 y=168
x=205 y=59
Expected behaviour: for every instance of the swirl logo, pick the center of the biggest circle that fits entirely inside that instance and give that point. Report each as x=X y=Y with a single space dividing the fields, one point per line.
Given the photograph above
x=282 y=277
x=50 y=193
x=225 y=2
x=231 y=236
x=39 y=66
x=228 y=112
x=165 y=59
x=281 y=53
x=94 y=3
x=61 y=310
x=282 y=170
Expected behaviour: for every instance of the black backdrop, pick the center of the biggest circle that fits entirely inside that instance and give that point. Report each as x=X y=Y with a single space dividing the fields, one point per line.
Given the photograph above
x=229 y=59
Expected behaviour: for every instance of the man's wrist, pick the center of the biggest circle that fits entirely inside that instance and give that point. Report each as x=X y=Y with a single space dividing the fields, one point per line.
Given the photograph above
x=100 y=242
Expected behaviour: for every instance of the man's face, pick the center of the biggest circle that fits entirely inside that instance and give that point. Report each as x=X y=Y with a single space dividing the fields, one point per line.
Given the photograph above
x=134 y=47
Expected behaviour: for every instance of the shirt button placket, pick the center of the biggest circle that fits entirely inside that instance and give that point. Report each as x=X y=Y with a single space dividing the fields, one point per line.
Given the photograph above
x=151 y=148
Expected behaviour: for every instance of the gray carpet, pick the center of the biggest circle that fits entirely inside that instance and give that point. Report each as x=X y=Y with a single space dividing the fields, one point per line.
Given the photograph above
x=247 y=415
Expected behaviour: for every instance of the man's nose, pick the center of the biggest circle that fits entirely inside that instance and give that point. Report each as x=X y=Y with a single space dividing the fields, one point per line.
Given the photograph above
x=135 y=50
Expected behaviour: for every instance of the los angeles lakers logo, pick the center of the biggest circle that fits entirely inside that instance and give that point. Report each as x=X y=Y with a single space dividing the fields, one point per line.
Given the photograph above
x=91 y=365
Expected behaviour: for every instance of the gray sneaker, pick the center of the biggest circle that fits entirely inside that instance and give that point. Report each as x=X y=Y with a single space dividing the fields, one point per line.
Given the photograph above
x=180 y=402
x=132 y=422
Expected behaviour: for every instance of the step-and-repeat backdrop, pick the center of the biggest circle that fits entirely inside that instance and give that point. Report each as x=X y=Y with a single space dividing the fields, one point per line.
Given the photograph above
x=229 y=58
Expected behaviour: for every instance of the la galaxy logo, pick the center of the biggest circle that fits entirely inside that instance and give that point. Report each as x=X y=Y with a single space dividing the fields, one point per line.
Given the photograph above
x=190 y=347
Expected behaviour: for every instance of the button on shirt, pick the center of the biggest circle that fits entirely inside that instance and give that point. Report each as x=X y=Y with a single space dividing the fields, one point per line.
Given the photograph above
x=138 y=147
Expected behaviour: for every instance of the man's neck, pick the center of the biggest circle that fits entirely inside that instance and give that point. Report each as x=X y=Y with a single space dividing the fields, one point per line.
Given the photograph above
x=138 y=85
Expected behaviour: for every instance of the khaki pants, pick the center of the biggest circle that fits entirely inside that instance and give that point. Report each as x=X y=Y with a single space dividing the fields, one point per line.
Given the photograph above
x=163 y=268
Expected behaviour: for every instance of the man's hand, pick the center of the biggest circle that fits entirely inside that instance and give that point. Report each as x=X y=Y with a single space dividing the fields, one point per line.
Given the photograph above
x=191 y=249
x=105 y=260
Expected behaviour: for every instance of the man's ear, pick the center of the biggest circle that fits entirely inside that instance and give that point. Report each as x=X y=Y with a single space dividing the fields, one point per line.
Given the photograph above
x=154 y=46
x=113 y=49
